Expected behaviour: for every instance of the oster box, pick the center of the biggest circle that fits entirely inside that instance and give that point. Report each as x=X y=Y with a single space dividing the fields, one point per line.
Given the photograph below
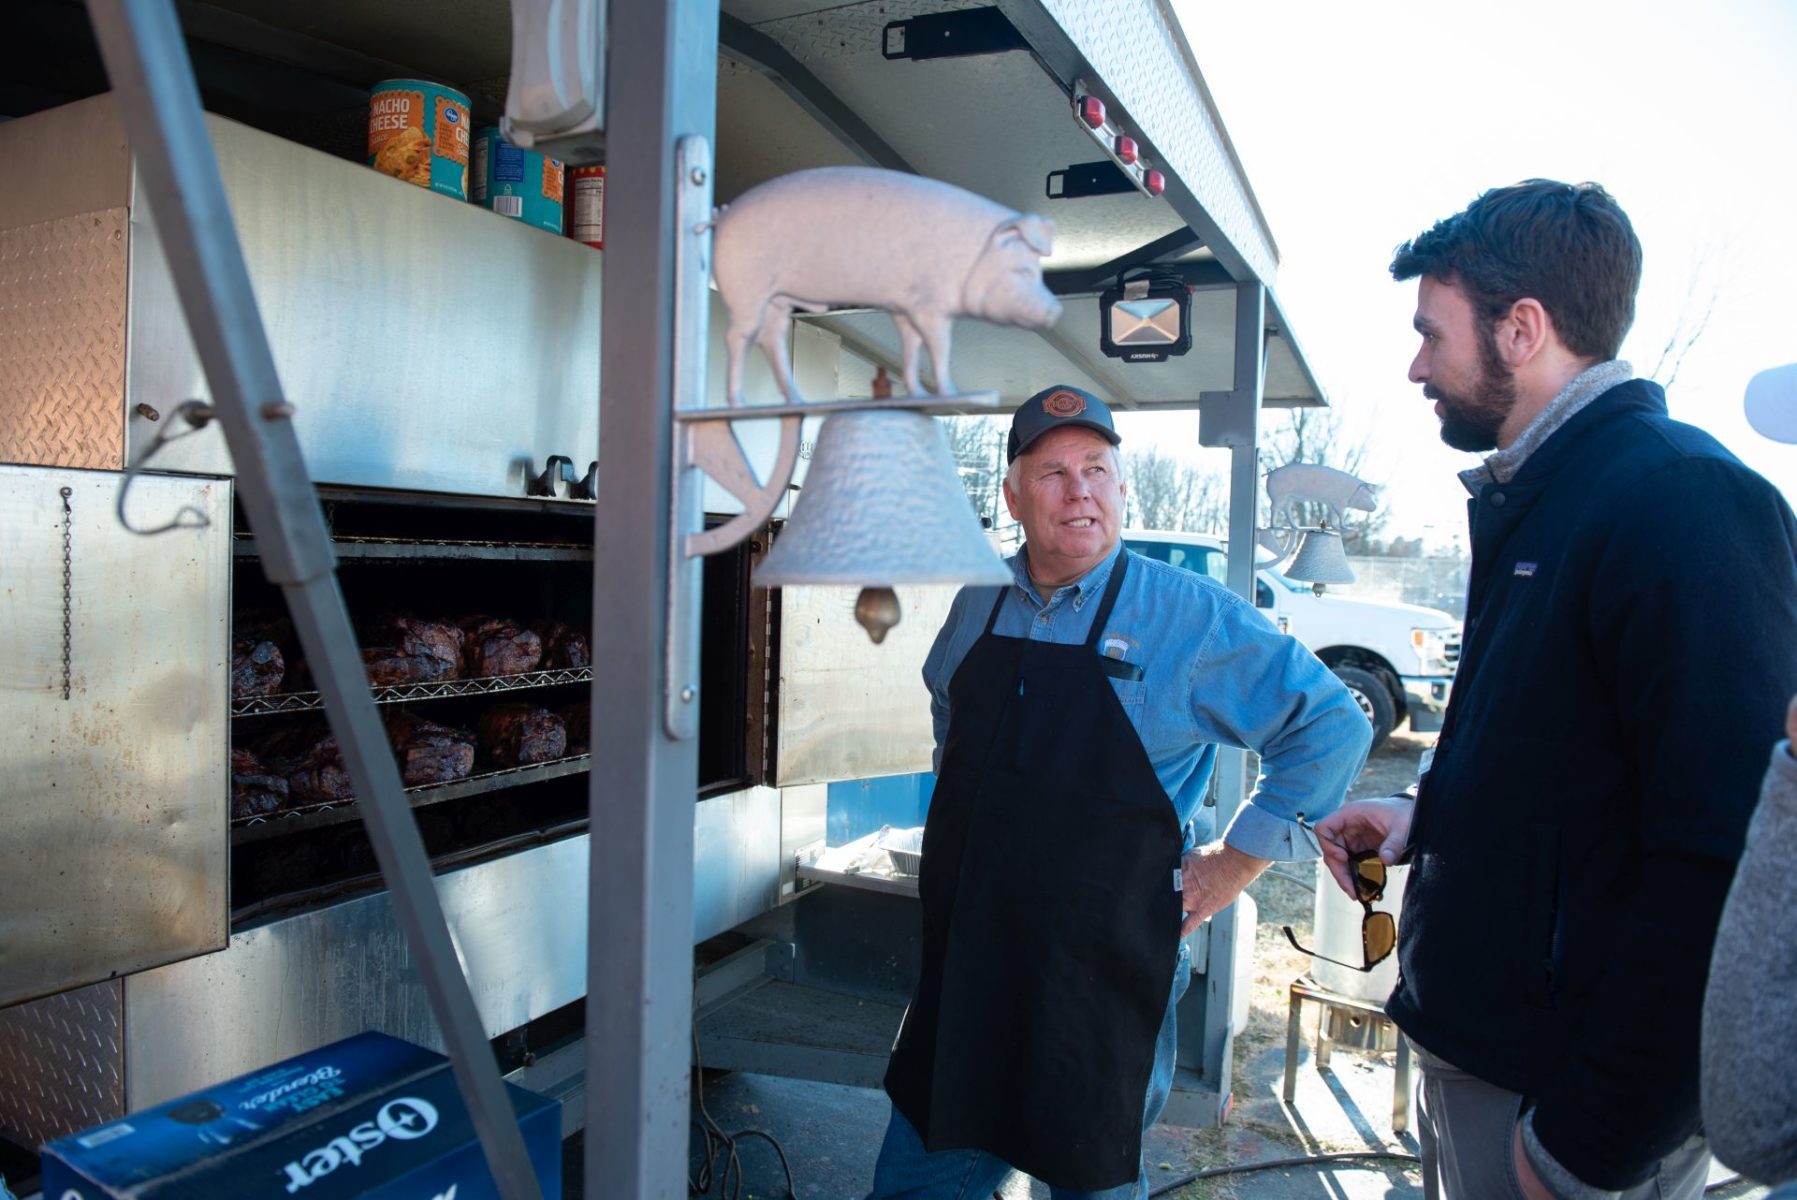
x=418 y=131
x=370 y=1116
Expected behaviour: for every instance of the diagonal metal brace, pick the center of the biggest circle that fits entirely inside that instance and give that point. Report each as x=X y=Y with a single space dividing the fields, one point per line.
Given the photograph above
x=147 y=62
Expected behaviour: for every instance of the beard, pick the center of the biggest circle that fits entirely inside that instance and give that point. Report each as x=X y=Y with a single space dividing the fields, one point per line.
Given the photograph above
x=1471 y=420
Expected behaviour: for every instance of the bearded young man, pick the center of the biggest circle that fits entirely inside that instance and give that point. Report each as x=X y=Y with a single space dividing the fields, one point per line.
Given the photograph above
x=1631 y=638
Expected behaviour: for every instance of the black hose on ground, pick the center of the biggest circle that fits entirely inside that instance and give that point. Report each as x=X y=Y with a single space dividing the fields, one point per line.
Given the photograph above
x=1314 y=1160
x=1305 y=1160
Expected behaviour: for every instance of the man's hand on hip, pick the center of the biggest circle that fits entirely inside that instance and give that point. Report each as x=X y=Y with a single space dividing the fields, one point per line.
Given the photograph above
x=1382 y=825
x=1212 y=877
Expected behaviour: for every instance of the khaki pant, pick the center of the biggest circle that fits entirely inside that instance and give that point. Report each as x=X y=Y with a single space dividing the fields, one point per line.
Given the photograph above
x=1466 y=1125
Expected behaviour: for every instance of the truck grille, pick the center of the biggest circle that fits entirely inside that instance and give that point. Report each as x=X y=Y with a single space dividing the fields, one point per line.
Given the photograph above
x=1450 y=651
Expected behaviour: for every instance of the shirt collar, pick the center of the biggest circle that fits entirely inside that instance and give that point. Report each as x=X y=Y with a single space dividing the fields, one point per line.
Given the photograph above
x=1078 y=592
x=1580 y=390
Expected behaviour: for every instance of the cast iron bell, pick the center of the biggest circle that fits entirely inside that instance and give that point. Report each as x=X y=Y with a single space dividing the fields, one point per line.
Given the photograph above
x=1321 y=560
x=882 y=505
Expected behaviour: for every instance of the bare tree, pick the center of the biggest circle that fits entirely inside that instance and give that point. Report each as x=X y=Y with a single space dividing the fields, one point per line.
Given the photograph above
x=978 y=447
x=1702 y=287
x=1314 y=435
x=1166 y=494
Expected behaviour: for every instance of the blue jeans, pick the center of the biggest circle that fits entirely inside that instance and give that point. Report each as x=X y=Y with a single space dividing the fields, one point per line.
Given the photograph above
x=906 y=1171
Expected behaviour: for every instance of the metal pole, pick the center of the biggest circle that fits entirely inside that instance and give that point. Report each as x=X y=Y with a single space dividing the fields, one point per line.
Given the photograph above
x=147 y=62
x=663 y=84
x=1232 y=419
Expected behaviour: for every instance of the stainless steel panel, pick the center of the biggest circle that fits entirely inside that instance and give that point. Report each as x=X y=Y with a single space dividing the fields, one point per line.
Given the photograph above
x=850 y=709
x=62 y=1063
x=426 y=343
x=736 y=859
x=62 y=338
x=518 y=923
x=804 y=825
x=64 y=162
x=113 y=700
x=519 y=927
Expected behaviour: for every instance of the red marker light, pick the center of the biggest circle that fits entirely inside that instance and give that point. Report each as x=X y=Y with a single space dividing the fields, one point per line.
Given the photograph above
x=1126 y=150
x=1154 y=182
x=1091 y=111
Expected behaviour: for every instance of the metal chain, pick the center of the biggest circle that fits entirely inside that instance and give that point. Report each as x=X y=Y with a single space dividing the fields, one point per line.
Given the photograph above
x=68 y=520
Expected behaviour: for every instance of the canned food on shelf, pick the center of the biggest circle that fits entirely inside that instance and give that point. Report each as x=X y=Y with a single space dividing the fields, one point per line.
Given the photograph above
x=586 y=208
x=515 y=182
x=418 y=132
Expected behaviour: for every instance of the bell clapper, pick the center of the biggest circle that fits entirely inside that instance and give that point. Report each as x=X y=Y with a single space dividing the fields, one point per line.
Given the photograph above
x=877 y=611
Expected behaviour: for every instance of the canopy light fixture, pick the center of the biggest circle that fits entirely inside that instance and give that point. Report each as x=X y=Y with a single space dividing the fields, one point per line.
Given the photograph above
x=1121 y=150
x=1148 y=319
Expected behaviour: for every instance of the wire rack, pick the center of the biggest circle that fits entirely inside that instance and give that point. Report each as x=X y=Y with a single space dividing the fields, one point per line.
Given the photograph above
x=293 y=820
x=290 y=702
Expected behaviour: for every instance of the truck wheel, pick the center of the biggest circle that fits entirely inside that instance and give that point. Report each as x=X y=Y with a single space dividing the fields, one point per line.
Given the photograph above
x=1374 y=701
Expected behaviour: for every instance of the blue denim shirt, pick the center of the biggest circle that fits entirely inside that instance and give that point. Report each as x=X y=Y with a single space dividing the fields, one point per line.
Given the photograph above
x=1215 y=672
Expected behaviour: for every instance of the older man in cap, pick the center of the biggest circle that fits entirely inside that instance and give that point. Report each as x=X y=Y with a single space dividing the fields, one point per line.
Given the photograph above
x=1068 y=850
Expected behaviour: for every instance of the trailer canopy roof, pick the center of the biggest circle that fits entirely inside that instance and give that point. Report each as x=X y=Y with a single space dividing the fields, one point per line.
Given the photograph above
x=805 y=83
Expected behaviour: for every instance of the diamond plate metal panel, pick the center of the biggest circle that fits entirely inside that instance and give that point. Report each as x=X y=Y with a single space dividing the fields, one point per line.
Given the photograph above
x=62 y=342
x=1139 y=55
x=62 y=1063
x=1134 y=52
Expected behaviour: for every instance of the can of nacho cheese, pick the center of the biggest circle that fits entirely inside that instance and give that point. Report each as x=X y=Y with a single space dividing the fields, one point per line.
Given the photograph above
x=586 y=205
x=517 y=183
x=418 y=132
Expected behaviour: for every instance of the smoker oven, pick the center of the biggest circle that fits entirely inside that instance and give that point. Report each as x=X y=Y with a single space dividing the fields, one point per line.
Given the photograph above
x=451 y=560
x=306 y=948
x=438 y=357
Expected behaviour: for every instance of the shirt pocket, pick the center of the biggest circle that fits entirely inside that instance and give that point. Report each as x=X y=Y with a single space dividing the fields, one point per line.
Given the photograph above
x=1131 y=693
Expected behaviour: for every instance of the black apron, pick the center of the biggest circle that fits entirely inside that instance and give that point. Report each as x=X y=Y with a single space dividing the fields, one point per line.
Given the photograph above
x=1050 y=918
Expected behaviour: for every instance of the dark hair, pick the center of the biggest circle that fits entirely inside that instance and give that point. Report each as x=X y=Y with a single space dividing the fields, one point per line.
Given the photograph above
x=1569 y=246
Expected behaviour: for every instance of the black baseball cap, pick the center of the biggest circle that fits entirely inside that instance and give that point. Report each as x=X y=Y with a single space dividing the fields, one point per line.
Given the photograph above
x=1053 y=407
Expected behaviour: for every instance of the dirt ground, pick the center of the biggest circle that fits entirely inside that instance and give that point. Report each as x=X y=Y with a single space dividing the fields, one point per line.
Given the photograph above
x=1261 y=1126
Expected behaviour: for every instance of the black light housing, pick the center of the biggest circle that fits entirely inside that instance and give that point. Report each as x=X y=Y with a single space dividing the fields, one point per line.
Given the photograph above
x=1147 y=319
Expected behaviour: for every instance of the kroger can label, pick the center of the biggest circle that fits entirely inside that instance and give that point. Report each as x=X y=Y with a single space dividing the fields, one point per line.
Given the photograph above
x=517 y=183
x=586 y=213
x=418 y=132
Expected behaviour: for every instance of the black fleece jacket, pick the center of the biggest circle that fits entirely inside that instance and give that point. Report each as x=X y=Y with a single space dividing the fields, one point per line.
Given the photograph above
x=1631 y=643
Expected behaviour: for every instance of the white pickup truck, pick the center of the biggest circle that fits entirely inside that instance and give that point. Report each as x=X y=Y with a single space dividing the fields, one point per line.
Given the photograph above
x=1398 y=660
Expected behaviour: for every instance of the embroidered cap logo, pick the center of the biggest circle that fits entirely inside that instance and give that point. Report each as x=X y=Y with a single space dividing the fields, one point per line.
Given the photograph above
x=1064 y=405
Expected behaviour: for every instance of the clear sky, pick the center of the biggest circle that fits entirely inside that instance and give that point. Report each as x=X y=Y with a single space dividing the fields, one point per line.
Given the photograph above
x=1359 y=125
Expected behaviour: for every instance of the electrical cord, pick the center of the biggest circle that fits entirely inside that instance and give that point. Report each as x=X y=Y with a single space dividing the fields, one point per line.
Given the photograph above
x=720 y=1144
x=1314 y=1160
x=196 y=415
x=1306 y=1160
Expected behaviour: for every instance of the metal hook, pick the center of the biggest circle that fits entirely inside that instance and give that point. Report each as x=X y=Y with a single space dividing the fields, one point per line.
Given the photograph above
x=196 y=415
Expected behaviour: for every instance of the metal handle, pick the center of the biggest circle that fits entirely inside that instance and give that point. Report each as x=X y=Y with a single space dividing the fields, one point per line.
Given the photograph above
x=558 y=473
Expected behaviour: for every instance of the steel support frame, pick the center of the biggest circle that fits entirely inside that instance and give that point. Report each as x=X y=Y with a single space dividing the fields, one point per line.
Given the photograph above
x=662 y=88
x=1084 y=281
x=1230 y=419
x=749 y=46
x=146 y=59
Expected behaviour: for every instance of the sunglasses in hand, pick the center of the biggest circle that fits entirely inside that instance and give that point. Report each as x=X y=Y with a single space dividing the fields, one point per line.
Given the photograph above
x=1378 y=930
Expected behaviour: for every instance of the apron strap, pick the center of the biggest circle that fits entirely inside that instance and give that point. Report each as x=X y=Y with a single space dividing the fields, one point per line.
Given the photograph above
x=1110 y=598
x=996 y=605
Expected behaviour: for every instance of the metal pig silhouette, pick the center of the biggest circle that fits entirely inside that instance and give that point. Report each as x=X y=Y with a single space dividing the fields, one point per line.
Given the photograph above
x=923 y=250
x=1298 y=483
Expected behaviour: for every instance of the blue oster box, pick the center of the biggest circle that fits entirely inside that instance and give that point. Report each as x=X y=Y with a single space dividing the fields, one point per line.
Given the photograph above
x=370 y=1116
